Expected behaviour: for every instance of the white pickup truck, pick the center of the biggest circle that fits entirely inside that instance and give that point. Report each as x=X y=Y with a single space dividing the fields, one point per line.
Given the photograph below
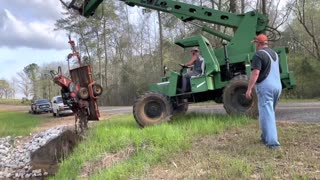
x=58 y=108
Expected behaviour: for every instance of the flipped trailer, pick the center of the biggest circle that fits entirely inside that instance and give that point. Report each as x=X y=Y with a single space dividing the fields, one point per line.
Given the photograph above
x=80 y=92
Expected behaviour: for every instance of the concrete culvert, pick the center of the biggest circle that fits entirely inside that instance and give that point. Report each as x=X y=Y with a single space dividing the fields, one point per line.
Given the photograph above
x=48 y=156
x=38 y=156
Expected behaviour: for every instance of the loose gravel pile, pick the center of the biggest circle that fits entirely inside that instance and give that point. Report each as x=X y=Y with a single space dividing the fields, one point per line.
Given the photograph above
x=15 y=156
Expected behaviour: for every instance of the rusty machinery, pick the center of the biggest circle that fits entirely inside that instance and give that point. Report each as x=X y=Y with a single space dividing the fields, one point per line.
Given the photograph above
x=80 y=92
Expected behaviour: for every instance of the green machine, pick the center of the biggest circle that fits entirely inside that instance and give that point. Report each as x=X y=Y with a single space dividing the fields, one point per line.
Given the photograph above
x=226 y=69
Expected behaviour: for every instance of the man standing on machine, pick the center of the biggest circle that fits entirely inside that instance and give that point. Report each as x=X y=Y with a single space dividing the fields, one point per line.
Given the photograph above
x=266 y=76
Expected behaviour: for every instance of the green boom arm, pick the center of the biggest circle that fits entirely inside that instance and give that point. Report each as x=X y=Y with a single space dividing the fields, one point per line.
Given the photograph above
x=188 y=12
x=246 y=27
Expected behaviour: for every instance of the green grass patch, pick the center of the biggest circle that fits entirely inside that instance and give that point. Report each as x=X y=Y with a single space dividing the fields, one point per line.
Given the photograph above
x=17 y=123
x=151 y=145
x=239 y=154
x=15 y=102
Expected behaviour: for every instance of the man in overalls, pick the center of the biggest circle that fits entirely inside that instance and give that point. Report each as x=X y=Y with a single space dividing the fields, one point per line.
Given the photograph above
x=196 y=61
x=266 y=76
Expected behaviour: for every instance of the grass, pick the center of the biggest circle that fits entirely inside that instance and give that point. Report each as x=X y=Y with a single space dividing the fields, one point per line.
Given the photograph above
x=17 y=123
x=14 y=102
x=151 y=145
x=238 y=154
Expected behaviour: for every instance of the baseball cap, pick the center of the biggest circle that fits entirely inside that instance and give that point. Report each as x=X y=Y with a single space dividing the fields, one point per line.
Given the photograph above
x=260 y=38
x=195 y=49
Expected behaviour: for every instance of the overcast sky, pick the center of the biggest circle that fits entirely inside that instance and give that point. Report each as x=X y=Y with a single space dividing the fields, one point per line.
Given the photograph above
x=27 y=34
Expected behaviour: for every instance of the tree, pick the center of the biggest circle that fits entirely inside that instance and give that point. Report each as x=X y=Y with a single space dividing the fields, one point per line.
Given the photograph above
x=24 y=84
x=307 y=16
x=32 y=71
x=5 y=89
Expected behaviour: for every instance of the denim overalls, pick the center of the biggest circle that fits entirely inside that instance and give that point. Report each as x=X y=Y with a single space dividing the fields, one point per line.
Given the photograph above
x=268 y=92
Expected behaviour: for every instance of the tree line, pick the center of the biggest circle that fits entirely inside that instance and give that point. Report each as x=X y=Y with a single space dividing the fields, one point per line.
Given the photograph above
x=127 y=48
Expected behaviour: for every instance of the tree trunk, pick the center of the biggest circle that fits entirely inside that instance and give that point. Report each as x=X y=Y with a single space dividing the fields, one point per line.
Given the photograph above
x=105 y=53
x=264 y=7
x=99 y=56
x=233 y=6
x=86 y=47
x=242 y=6
x=160 y=41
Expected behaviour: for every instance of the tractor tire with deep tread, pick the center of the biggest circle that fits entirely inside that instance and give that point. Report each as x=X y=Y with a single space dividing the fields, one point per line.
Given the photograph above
x=234 y=98
x=152 y=108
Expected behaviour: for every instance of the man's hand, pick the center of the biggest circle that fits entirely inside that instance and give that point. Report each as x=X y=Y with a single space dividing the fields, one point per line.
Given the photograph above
x=253 y=79
x=248 y=93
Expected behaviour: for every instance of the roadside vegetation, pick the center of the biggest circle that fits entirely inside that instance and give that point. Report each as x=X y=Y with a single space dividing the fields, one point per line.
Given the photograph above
x=15 y=102
x=17 y=123
x=119 y=149
x=238 y=154
x=193 y=147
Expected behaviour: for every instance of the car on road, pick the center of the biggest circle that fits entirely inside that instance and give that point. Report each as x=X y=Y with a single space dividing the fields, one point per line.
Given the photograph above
x=40 y=106
x=59 y=108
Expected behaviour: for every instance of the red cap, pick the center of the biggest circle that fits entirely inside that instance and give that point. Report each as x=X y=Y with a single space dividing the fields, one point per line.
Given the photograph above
x=261 y=38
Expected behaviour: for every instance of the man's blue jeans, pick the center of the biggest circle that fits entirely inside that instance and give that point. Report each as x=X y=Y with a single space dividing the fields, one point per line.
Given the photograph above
x=186 y=77
x=267 y=101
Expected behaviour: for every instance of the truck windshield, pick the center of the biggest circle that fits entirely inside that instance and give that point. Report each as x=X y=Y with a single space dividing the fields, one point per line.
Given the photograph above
x=42 y=101
x=59 y=99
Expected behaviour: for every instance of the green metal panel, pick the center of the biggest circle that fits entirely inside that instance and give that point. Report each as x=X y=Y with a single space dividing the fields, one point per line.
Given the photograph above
x=287 y=77
x=201 y=84
x=169 y=87
x=187 y=12
x=90 y=7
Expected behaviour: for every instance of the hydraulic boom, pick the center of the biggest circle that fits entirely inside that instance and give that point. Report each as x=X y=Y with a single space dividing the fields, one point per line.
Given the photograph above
x=225 y=70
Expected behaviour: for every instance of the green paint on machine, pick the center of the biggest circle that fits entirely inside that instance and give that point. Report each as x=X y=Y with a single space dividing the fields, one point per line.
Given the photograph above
x=226 y=69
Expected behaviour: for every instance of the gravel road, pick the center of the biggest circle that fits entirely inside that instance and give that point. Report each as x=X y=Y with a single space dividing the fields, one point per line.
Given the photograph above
x=286 y=111
x=293 y=111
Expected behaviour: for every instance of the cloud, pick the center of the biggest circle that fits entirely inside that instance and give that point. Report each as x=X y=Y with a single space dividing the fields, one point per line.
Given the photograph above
x=15 y=33
x=34 y=9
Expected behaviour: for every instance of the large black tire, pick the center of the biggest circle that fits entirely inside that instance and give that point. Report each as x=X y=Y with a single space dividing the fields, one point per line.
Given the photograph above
x=152 y=108
x=234 y=98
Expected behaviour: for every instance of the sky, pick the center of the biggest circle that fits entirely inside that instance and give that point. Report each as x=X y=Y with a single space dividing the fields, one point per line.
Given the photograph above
x=27 y=35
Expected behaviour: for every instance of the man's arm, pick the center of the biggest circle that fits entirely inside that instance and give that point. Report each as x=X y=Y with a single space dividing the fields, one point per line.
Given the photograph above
x=253 y=79
x=192 y=60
